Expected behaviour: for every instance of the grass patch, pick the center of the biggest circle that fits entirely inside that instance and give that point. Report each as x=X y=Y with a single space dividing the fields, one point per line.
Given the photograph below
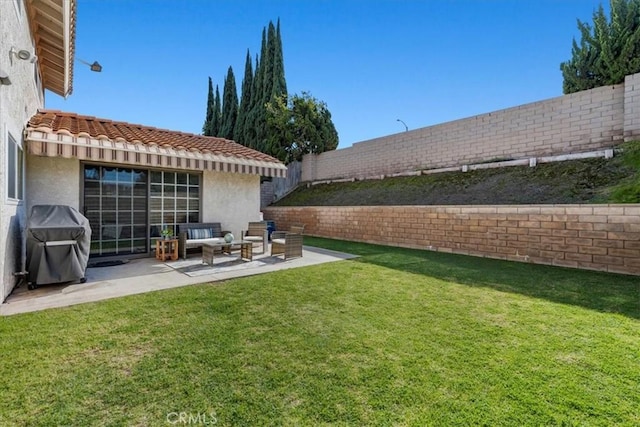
x=395 y=337
x=628 y=191
x=597 y=180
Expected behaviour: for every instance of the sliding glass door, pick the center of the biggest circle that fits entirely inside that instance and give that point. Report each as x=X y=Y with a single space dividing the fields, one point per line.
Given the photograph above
x=115 y=202
x=128 y=208
x=174 y=198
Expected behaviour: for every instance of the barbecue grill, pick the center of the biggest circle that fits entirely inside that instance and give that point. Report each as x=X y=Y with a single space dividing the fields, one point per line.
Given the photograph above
x=58 y=244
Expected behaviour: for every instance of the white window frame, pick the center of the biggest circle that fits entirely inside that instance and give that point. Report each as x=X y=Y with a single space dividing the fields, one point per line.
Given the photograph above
x=17 y=159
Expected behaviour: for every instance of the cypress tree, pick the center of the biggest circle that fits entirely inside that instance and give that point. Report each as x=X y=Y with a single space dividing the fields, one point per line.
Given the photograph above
x=269 y=83
x=206 y=127
x=249 y=131
x=279 y=81
x=275 y=91
x=260 y=69
x=255 y=117
x=248 y=125
x=217 y=115
x=245 y=101
x=268 y=58
x=229 y=106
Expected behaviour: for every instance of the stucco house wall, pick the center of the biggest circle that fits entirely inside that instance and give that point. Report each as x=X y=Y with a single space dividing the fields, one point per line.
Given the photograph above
x=18 y=102
x=229 y=198
x=233 y=200
x=53 y=181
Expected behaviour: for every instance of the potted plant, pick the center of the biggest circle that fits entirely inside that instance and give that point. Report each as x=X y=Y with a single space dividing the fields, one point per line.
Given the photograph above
x=167 y=233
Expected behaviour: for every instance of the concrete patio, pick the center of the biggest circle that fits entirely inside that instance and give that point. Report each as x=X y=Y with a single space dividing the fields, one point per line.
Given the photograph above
x=148 y=274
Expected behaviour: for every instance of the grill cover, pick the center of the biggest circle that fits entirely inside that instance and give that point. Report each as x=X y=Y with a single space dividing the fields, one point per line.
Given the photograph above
x=58 y=244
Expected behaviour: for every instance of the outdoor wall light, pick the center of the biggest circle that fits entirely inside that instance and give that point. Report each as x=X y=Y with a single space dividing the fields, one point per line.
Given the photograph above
x=4 y=78
x=94 y=67
x=23 y=54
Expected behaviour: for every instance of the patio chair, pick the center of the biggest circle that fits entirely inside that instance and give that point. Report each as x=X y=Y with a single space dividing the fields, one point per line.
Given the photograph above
x=257 y=232
x=288 y=243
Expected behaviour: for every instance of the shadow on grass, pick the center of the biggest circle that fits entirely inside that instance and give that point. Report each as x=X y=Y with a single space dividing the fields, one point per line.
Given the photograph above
x=606 y=292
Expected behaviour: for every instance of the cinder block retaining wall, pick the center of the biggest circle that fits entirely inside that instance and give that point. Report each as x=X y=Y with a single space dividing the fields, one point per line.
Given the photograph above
x=597 y=237
x=589 y=120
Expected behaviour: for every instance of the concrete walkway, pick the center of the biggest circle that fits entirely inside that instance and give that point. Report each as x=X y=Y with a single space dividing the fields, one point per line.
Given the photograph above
x=148 y=274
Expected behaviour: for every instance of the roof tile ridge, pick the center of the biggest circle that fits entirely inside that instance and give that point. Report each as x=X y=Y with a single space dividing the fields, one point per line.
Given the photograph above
x=128 y=124
x=60 y=113
x=120 y=122
x=194 y=135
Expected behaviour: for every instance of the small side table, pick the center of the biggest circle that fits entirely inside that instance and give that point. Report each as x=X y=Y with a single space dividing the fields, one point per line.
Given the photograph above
x=167 y=249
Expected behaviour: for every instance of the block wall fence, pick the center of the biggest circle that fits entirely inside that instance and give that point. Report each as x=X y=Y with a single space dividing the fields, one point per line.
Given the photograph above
x=594 y=237
x=590 y=120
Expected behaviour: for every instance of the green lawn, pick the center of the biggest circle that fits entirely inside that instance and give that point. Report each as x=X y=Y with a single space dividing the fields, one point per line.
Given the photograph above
x=396 y=337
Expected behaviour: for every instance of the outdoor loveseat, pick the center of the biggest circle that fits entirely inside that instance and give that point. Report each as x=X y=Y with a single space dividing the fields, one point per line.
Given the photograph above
x=194 y=235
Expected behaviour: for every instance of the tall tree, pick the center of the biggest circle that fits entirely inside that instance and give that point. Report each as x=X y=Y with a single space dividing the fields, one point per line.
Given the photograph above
x=217 y=115
x=245 y=101
x=260 y=85
x=206 y=127
x=279 y=81
x=268 y=58
x=268 y=85
x=251 y=121
x=300 y=124
x=608 y=51
x=229 y=106
x=255 y=126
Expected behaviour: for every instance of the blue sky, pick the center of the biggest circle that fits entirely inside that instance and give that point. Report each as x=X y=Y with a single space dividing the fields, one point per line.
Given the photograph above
x=373 y=62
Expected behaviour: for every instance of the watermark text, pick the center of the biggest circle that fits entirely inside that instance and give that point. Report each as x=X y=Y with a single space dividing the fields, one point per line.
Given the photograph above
x=192 y=418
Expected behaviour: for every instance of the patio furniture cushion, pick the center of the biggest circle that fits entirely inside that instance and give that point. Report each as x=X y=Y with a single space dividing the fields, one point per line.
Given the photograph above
x=194 y=243
x=200 y=233
x=198 y=230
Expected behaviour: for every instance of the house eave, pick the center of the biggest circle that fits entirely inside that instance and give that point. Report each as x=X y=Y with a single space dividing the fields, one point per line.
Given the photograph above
x=41 y=142
x=52 y=24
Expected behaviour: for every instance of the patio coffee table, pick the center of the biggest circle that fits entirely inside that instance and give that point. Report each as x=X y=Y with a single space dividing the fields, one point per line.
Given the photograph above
x=245 y=246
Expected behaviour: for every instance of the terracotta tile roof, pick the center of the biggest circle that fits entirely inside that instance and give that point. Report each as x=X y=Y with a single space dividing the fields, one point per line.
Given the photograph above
x=86 y=126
